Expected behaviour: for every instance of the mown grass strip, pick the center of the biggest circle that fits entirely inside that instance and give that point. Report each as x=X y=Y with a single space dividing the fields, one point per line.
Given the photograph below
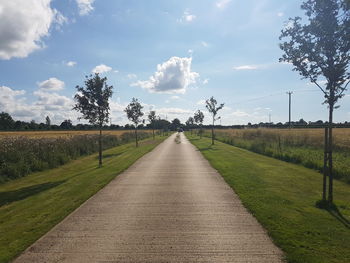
x=282 y=197
x=32 y=205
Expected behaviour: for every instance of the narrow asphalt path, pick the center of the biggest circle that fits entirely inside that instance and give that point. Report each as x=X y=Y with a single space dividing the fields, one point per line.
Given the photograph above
x=170 y=206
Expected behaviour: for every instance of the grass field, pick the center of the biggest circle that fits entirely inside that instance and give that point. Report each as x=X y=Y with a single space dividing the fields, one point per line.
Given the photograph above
x=302 y=146
x=32 y=205
x=282 y=197
x=55 y=134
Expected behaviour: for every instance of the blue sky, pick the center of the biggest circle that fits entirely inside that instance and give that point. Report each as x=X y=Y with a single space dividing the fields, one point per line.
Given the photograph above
x=171 y=55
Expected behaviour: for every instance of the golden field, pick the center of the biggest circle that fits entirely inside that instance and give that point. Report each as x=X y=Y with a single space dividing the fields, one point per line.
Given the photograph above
x=56 y=134
x=314 y=137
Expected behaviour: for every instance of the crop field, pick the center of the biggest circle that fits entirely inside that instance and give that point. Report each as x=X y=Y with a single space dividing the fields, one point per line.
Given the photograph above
x=301 y=146
x=25 y=152
x=55 y=134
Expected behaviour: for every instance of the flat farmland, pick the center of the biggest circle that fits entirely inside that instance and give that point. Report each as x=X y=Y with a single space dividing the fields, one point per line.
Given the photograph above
x=22 y=153
x=66 y=133
x=301 y=146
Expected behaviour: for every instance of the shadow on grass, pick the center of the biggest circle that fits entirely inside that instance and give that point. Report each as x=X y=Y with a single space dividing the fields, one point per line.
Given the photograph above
x=109 y=155
x=22 y=193
x=338 y=215
x=333 y=210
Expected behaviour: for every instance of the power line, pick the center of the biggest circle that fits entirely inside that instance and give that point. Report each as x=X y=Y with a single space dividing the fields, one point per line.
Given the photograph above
x=270 y=95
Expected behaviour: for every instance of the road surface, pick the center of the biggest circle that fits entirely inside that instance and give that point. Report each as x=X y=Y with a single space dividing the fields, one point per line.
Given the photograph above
x=170 y=206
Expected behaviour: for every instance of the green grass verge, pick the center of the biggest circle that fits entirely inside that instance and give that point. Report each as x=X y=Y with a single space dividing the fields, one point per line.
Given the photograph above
x=282 y=197
x=32 y=205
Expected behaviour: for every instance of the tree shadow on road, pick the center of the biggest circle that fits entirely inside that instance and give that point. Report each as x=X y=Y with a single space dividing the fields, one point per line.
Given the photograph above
x=25 y=192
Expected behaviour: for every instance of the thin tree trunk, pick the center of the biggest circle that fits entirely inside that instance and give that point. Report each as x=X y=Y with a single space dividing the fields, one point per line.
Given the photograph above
x=325 y=165
x=100 y=148
x=212 y=133
x=330 y=154
x=153 y=133
x=137 y=143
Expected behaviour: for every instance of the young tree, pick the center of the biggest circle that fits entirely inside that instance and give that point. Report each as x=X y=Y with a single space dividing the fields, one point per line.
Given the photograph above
x=198 y=119
x=48 y=122
x=92 y=101
x=189 y=123
x=152 y=119
x=134 y=114
x=213 y=109
x=320 y=51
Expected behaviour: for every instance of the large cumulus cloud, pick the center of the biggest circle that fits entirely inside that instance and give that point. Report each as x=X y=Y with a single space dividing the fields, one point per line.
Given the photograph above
x=173 y=76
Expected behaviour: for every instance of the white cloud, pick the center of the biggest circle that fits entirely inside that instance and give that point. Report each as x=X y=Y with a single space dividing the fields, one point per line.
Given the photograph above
x=187 y=17
x=222 y=4
x=204 y=44
x=239 y=113
x=175 y=97
x=51 y=84
x=206 y=81
x=131 y=76
x=173 y=111
x=190 y=52
x=71 y=63
x=58 y=107
x=85 y=6
x=49 y=100
x=101 y=69
x=173 y=76
x=23 y=26
x=246 y=67
x=201 y=102
x=280 y=14
x=59 y=18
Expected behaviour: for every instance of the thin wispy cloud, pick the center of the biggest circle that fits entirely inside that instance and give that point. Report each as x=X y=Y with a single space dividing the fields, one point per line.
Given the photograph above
x=85 y=6
x=246 y=67
x=222 y=4
x=187 y=17
x=71 y=63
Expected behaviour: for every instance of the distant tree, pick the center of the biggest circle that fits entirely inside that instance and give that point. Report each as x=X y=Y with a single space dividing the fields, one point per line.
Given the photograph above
x=198 y=119
x=320 y=52
x=92 y=101
x=48 y=122
x=175 y=124
x=213 y=109
x=66 y=125
x=189 y=123
x=33 y=125
x=6 y=121
x=134 y=114
x=152 y=119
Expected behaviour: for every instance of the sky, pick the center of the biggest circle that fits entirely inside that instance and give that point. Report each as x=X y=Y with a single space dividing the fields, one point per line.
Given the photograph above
x=171 y=55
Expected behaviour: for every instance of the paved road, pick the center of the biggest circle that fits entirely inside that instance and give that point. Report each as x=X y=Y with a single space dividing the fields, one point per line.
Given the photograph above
x=170 y=206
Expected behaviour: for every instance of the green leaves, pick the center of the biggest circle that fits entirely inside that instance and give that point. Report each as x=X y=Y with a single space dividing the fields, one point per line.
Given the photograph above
x=134 y=111
x=320 y=49
x=92 y=100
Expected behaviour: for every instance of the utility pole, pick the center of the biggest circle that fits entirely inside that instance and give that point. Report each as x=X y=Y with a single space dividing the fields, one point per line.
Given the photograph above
x=290 y=107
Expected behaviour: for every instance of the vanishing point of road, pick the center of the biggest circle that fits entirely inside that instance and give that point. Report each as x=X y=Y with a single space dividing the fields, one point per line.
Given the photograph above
x=170 y=206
